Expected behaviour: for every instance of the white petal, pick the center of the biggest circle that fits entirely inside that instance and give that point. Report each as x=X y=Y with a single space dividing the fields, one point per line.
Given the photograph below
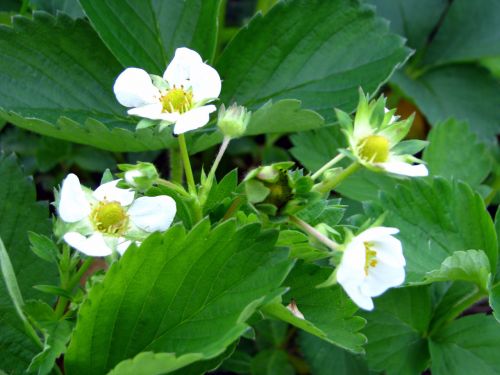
x=205 y=82
x=153 y=213
x=390 y=251
x=73 y=205
x=360 y=299
x=133 y=88
x=151 y=111
x=109 y=192
x=193 y=119
x=123 y=245
x=405 y=169
x=93 y=246
x=382 y=277
x=376 y=233
x=351 y=269
x=178 y=72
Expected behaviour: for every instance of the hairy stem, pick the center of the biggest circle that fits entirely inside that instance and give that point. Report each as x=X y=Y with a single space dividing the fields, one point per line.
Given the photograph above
x=314 y=232
x=327 y=186
x=328 y=165
x=187 y=165
x=176 y=168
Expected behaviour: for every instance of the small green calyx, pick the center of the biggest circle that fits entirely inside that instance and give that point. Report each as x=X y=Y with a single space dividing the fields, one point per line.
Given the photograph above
x=109 y=218
x=374 y=148
x=233 y=121
x=177 y=100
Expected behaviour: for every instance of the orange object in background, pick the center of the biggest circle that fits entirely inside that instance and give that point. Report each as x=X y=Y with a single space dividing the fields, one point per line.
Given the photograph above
x=420 y=126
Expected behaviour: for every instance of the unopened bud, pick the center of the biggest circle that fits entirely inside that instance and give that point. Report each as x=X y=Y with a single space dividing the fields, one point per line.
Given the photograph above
x=140 y=176
x=233 y=121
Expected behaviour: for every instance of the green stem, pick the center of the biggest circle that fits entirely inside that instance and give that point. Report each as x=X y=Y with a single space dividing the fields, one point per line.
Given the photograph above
x=327 y=186
x=177 y=188
x=457 y=309
x=207 y=186
x=176 y=168
x=328 y=165
x=314 y=232
x=187 y=165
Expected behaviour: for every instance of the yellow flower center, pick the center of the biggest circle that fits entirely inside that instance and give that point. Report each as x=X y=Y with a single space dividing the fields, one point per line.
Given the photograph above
x=370 y=258
x=109 y=218
x=374 y=148
x=177 y=100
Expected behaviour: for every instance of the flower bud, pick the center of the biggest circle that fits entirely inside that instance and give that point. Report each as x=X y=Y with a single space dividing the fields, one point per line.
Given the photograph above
x=141 y=176
x=233 y=121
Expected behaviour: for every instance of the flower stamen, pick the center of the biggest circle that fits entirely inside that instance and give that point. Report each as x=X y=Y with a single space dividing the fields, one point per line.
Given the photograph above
x=371 y=257
x=109 y=218
x=177 y=100
x=374 y=148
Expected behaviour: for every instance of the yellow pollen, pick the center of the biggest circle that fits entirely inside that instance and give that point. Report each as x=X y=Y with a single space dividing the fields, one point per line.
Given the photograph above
x=177 y=100
x=370 y=258
x=374 y=148
x=109 y=218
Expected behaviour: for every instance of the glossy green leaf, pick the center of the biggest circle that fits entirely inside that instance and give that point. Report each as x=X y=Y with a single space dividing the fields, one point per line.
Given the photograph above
x=66 y=91
x=467 y=346
x=455 y=152
x=329 y=309
x=145 y=33
x=470 y=265
x=469 y=31
x=303 y=49
x=182 y=304
x=413 y=19
x=437 y=218
x=396 y=329
x=149 y=363
x=465 y=92
x=70 y=7
x=324 y=358
x=20 y=213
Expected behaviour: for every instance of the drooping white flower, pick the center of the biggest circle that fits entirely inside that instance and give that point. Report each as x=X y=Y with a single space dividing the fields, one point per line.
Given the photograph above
x=375 y=139
x=179 y=97
x=109 y=218
x=372 y=262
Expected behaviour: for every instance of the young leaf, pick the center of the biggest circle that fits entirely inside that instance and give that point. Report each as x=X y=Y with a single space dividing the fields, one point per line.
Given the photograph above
x=468 y=345
x=455 y=152
x=437 y=218
x=310 y=56
x=181 y=304
x=146 y=33
x=271 y=362
x=470 y=265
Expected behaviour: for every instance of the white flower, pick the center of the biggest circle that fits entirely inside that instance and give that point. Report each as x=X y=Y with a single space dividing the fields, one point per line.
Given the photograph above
x=372 y=262
x=375 y=137
x=178 y=98
x=109 y=218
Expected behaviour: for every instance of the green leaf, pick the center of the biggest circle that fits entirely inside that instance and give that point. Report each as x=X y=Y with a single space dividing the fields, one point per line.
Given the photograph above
x=70 y=7
x=470 y=265
x=455 y=152
x=467 y=346
x=413 y=19
x=271 y=362
x=396 y=329
x=465 y=92
x=154 y=363
x=66 y=91
x=198 y=291
x=43 y=247
x=437 y=218
x=468 y=32
x=329 y=309
x=315 y=148
x=20 y=213
x=146 y=33
x=326 y=359
x=319 y=52
x=494 y=300
x=299 y=245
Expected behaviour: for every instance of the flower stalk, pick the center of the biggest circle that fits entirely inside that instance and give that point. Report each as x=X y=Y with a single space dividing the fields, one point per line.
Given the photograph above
x=328 y=165
x=314 y=233
x=187 y=165
x=329 y=185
